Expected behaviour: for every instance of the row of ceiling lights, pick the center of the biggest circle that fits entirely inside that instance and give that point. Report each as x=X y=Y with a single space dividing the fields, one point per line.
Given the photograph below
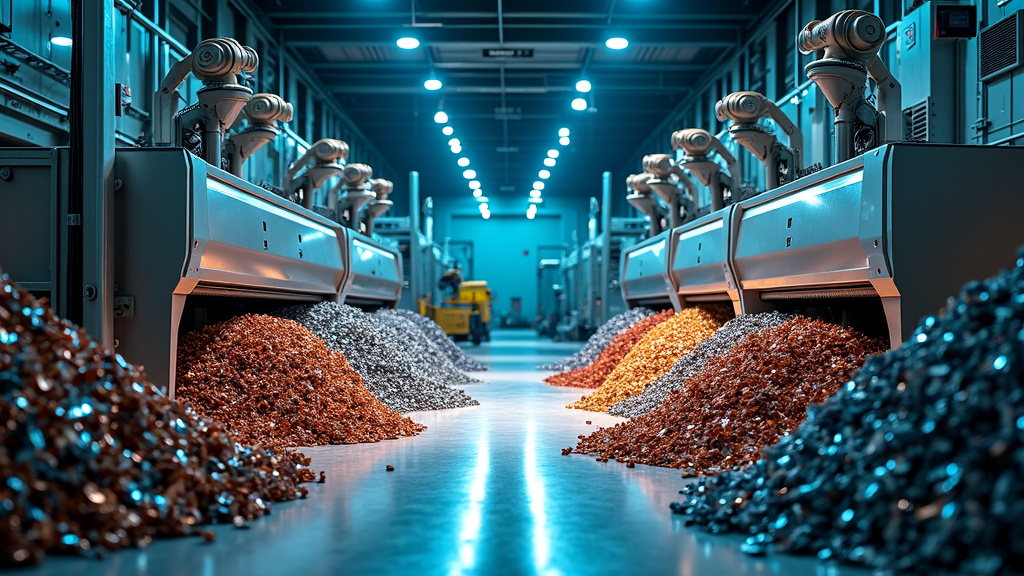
x=544 y=174
x=441 y=117
x=432 y=83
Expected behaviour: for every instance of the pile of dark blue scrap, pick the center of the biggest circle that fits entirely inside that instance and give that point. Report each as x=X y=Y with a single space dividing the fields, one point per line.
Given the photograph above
x=916 y=464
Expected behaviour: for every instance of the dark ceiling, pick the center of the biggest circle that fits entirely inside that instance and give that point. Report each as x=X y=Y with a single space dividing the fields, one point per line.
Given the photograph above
x=507 y=111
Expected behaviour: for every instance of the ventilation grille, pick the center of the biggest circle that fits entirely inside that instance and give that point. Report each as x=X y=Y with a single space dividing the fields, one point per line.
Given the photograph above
x=999 y=46
x=917 y=122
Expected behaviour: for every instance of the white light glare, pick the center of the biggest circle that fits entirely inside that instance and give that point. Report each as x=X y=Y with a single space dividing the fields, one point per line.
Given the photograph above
x=483 y=207
x=61 y=41
x=534 y=193
x=538 y=185
x=544 y=174
x=486 y=215
x=583 y=86
x=579 y=104
x=469 y=174
x=549 y=162
x=432 y=84
x=407 y=43
x=554 y=153
x=447 y=130
x=563 y=131
x=564 y=140
x=474 y=184
x=454 y=142
x=441 y=117
x=482 y=199
x=456 y=149
x=536 y=200
x=616 y=43
x=531 y=215
x=478 y=193
x=463 y=161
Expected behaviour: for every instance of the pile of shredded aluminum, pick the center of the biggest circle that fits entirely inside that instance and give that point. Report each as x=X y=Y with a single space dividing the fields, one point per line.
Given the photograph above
x=399 y=377
x=600 y=340
x=734 y=331
x=444 y=344
x=916 y=464
x=421 y=350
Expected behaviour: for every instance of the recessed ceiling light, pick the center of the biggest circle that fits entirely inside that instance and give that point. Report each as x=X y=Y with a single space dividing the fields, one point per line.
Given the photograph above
x=432 y=84
x=563 y=132
x=486 y=215
x=536 y=200
x=538 y=185
x=616 y=43
x=564 y=140
x=463 y=161
x=579 y=104
x=478 y=193
x=482 y=199
x=474 y=184
x=534 y=193
x=549 y=162
x=544 y=174
x=483 y=207
x=441 y=117
x=531 y=215
x=447 y=130
x=454 y=142
x=583 y=86
x=469 y=174
x=552 y=153
x=408 y=43
x=456 y=149
x=61 y=41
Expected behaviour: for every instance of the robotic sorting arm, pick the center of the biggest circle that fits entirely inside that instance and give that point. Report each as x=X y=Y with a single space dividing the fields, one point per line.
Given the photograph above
x=263 y=111
x=744 y=109
x=848 y=43
x=381 y=188
x=221 y=65
x=668 y=176
x=326 y=154
x=351 y=193
x=641 y=199
x=697 y=143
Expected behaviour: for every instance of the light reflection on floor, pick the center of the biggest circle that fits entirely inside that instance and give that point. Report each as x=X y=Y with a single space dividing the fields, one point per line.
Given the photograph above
x=484 y=490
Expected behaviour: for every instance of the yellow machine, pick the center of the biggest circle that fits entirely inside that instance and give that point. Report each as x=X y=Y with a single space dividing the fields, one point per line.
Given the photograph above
x=467 y=315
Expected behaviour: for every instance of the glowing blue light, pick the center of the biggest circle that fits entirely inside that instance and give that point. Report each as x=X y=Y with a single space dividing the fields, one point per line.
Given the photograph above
x=847 y=515
x=999 y=363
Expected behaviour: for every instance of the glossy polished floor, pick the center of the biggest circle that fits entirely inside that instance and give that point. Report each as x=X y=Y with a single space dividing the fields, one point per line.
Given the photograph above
x=485 y=490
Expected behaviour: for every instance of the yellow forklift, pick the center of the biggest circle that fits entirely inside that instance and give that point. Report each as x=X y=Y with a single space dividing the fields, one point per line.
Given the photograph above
x=464 y=315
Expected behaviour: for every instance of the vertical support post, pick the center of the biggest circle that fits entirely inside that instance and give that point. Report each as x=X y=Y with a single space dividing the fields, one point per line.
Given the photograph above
x=415 y=250
x=96 y=120
x=606 y=244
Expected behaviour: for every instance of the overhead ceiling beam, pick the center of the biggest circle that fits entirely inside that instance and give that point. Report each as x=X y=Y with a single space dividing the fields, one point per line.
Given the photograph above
x=370 y=88
x=327 y=68
x=515 y=38
x=562 y=16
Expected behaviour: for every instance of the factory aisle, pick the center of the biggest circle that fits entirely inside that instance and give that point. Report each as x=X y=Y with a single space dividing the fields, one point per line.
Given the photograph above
x=485 y=490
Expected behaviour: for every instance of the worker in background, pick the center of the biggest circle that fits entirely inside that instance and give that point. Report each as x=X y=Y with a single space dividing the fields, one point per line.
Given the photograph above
x=451 y=279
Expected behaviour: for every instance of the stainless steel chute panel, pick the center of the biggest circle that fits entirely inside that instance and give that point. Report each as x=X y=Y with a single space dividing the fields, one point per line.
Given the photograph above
x=375 y=273
x=185 y=228
x=645 y=273
x=700 y=261
x=906 y=223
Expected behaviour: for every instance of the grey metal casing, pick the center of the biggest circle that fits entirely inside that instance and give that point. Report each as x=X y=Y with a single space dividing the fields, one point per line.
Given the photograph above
x=699 y=267
x=904 y=222
x=645 y=273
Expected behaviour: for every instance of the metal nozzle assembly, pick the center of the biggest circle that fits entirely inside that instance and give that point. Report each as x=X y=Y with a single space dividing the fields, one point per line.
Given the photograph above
x=263 y=111
x=381 y=188
x=221 y=64
x=697 y=143
x=668 y=176
x=326 y=155
x=848 y=43
x=781 y=163
x=350 y=194
x=640 y=198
